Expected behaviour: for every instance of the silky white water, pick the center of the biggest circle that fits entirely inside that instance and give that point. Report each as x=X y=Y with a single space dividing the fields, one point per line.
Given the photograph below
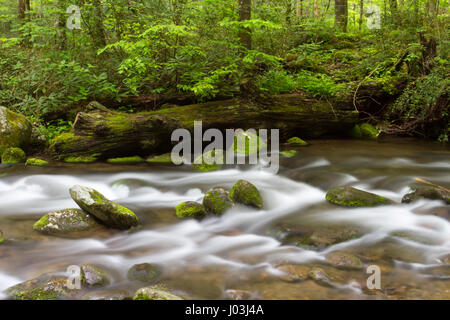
x=240 y=242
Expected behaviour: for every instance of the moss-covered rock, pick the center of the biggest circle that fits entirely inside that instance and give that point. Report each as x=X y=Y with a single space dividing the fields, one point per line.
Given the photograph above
x=13 y=156
x=356 y=132
x=125 y=160
x=369 y=132
x=110 y=213
x=65 y=221
x=45 y=287
x=320 y=276
x=36 y=162
x=109 y=295
x=427 y=192
x=190 y=209
x=93 y=276
x=144 y=272
x=297 y=142
x=209 y=161
x=81 y=159
x=15 y=130
x=344 y=260
x=217 y=201
x=2 y=238
x=162 y=159
x=246 y=193
x=288 y=153
x=247 y=143
x=156 y=293
x=352 y=197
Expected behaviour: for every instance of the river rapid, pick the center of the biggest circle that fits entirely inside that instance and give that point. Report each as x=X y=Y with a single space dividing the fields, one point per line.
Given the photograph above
x=244 y=249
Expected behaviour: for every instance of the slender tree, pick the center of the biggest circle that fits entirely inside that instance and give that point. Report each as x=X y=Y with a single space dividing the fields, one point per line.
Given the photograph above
x=245 y=13
x=341 y=14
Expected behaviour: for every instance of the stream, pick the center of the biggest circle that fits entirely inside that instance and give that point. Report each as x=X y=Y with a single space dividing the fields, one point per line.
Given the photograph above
x=244 y=249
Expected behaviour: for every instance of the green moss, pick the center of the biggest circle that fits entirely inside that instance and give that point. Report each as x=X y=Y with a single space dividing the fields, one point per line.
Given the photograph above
x=40 y=288
x=205 y=162
x=289 y=153
x=155 y=293
x=246 y=193
x=13 y=156
x=356 y=132
x=190 y=209
x=2 y=238
x=217 y=201
x=15 y=130
x=36 y=162
x=351 y=197
x=368 y=131
x=41 y=223
x=427 y=192
x=164 y=158
x=81 y=159
x=125 y=160
x=297 y=141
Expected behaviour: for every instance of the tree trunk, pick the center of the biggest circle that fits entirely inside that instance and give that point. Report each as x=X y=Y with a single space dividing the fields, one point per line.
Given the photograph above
x=104 y=133
x=98 y=33
x=245 y=13
x=341 y=14
x=361 y=13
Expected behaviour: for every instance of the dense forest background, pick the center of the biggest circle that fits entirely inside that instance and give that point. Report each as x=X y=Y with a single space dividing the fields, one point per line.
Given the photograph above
x=128 y=53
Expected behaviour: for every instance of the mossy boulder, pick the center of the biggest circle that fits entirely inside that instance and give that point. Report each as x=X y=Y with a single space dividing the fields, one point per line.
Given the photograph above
x=297 y=142
x=190 y=209
x=246 y=193
x=45 y=287
x=36 y=162
x=369 y=132
x=93 y=276
x=247 y=143
x=156 y=293
x=110 y=213
x=144 y=272
x=125 y=160
x=65 y=221
x=344 y=260
x=427 y=192
x=217 y=201
x=356 y=132
x=15 y=130
x=352 y=197
x=209 y=161
x=13 y=156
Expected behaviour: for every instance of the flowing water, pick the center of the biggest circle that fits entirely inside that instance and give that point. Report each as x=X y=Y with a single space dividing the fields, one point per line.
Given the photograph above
x=243 y=249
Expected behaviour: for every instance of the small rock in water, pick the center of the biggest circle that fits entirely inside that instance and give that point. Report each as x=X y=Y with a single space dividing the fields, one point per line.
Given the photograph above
x=190 y=209
x=297 y=141
x=144 y=272
x=427 y=192
x=107 y=295
x=217 y=201
x=296 y=272
x=110 y=213
x=156 y=293
x=65 y=221
x=36 y=162
x=352 y=197
x=246 y=193
x=238 y=295
x=320 y=276
x=209 y=161
x=344 y=260
x=93 y=276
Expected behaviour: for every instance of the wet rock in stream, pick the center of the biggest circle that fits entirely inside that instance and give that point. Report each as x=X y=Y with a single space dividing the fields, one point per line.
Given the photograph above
x=65 y=221
x=352 y=197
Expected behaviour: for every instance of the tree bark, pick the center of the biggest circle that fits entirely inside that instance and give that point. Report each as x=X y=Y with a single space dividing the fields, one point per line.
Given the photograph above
x=245 y=13
x=104 y=133
x=341 y=14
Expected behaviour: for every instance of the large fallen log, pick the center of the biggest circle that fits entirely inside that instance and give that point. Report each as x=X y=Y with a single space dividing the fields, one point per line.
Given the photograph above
x=104 y=133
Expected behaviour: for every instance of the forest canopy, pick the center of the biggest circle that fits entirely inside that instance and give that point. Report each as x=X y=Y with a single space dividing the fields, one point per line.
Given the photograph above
x=55 y=54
